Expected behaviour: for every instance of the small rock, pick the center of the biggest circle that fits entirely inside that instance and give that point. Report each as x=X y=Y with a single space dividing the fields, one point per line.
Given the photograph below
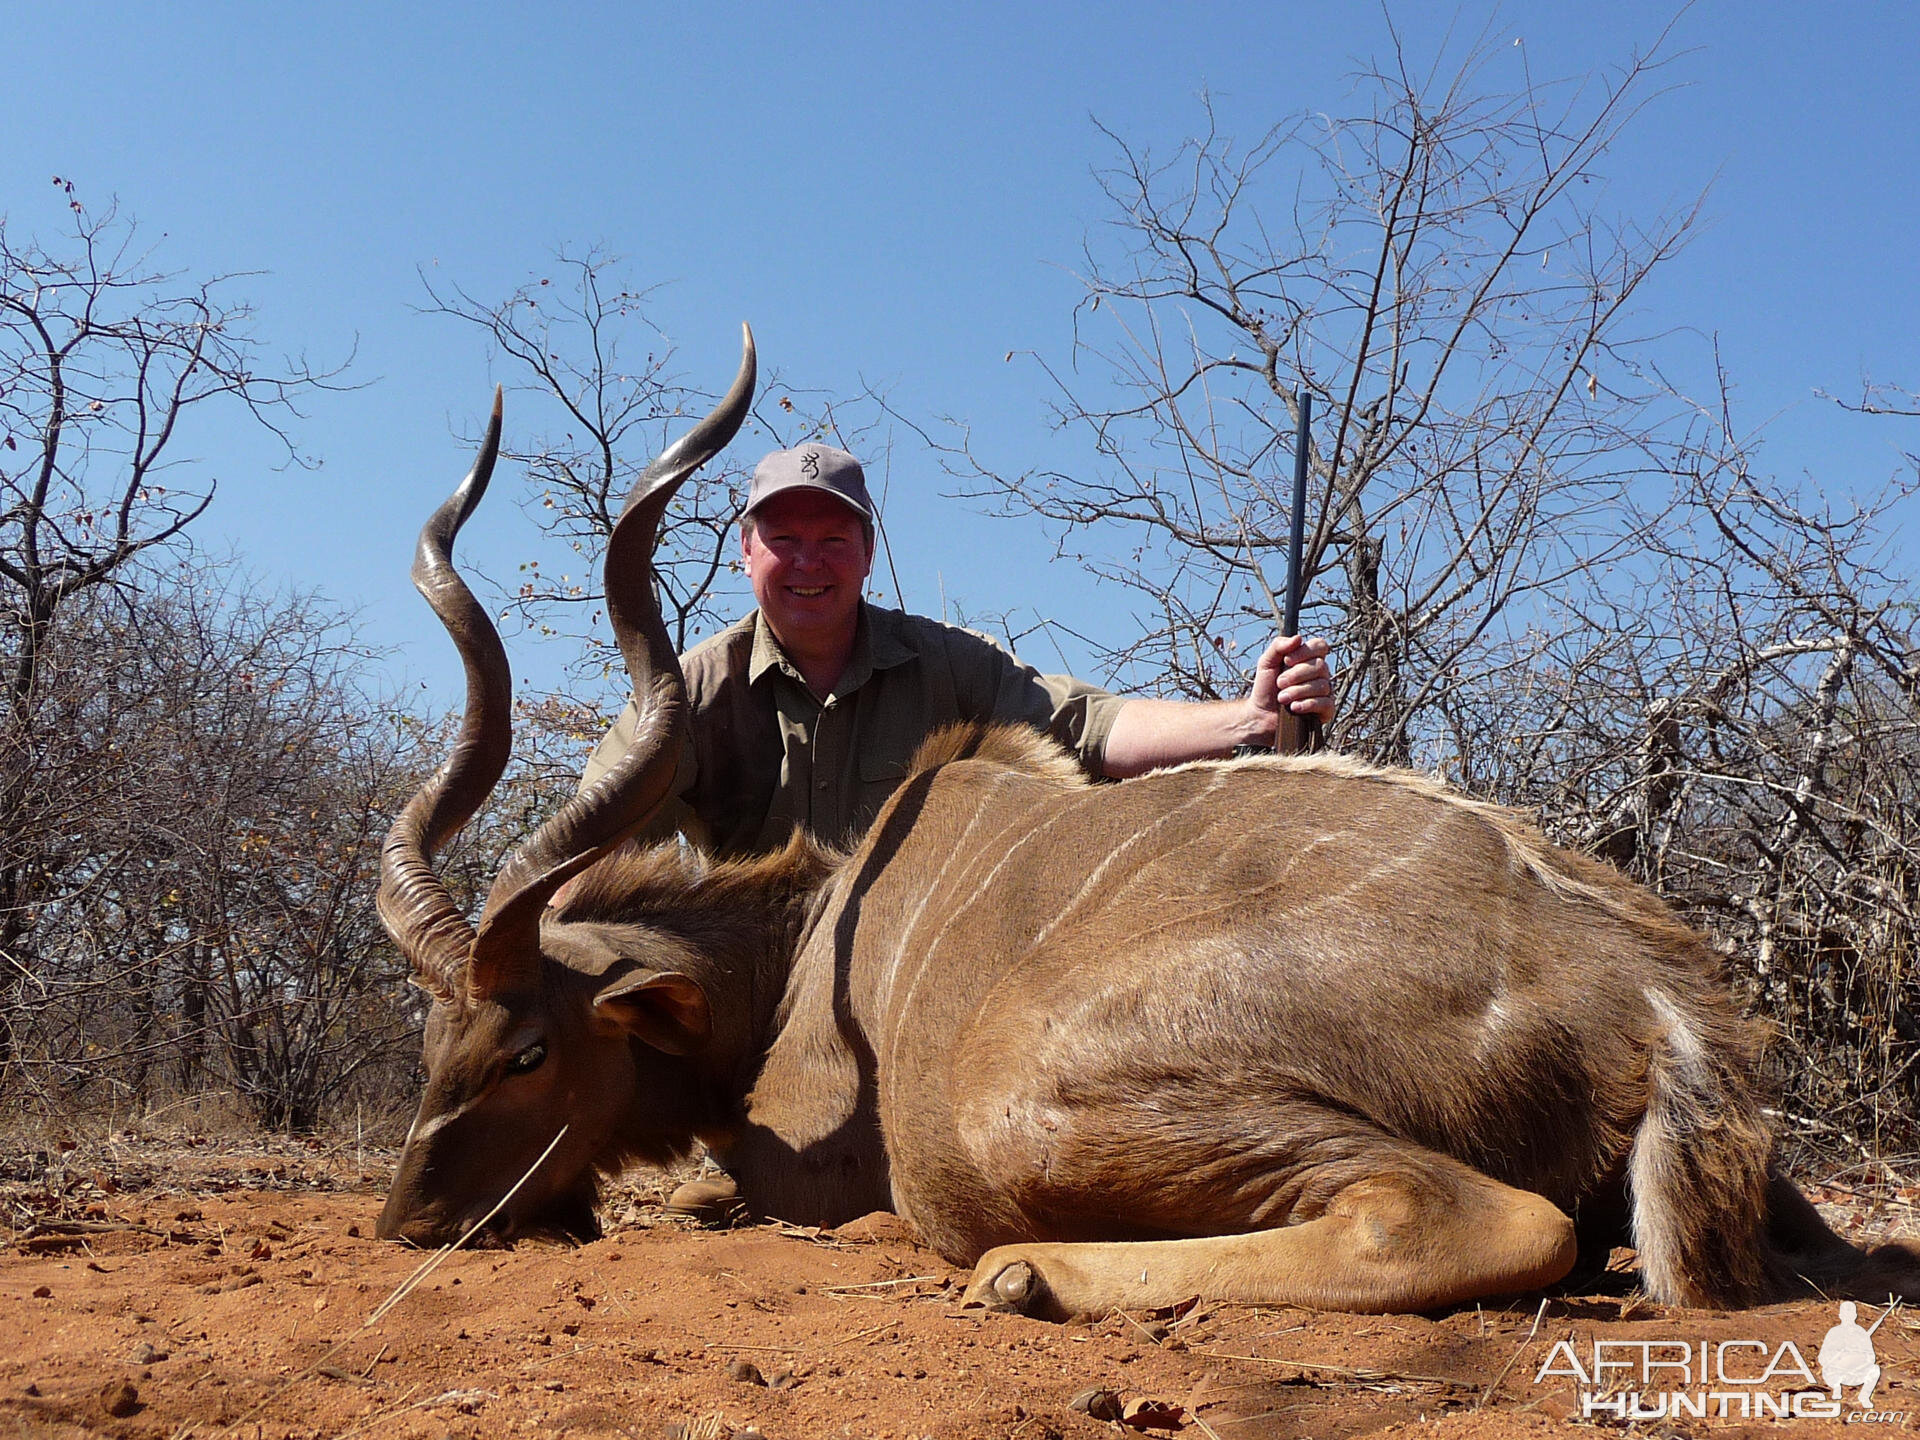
x=555 y=1385
x=353 y=1232
x=42 y=1292
x=145 y=1354
x=119 y=1399
x=572 y=1327
x=32 y=1389
x=780 y=1379
x=1553 y=1407
x=243 y=1281
x=745 y=1372
x=1097 y=1403
x=882 y=1226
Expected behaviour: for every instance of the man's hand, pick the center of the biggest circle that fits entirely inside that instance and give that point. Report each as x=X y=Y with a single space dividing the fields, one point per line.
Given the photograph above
x=1151 y=734
x=1292 y=672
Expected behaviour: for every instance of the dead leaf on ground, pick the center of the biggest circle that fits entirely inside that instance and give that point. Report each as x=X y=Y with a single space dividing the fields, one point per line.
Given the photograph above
x=1144 y=1414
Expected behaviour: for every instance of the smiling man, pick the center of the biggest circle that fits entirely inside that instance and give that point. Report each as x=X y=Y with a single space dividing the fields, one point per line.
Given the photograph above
x=806 y=713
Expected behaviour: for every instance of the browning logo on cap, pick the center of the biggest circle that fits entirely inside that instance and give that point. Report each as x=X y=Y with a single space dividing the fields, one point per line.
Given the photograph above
x=812 y=466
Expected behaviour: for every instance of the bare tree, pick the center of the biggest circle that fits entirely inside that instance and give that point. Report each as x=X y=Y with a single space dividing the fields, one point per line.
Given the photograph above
x=1429 y=266
x=105 y=361
x=217 y=797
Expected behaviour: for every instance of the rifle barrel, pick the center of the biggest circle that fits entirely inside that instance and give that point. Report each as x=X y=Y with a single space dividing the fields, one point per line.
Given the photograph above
x=1297 y=734
x=1301 y=441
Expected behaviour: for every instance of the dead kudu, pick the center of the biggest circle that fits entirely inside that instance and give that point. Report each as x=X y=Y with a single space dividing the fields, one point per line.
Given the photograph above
x=1272 y=1030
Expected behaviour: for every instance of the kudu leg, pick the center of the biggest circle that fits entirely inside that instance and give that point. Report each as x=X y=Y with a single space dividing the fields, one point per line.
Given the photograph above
x=1824 y=1263
x=1390 y=1242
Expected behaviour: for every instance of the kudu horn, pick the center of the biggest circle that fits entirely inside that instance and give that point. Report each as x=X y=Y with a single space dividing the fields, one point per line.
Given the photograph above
x=432 y=931
x=506 y=949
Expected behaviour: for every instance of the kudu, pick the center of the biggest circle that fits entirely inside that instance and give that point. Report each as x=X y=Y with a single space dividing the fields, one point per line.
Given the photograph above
x=1273 y=1030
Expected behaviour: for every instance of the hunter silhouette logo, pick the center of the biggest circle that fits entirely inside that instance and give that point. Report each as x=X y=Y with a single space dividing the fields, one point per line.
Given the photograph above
x=1725 y=1379
x=1846 y=1355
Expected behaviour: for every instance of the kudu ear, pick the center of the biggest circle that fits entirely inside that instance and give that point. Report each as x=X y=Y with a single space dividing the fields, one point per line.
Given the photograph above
x=666 y=1009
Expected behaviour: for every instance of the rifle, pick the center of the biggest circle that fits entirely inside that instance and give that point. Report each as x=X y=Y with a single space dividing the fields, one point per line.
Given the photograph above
x=1297 y=734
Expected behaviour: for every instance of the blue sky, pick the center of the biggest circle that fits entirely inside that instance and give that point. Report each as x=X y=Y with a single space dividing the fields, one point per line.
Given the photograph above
x=890 y=194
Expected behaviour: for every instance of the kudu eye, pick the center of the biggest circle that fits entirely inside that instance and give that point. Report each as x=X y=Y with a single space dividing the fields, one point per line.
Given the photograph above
x=528 y=1060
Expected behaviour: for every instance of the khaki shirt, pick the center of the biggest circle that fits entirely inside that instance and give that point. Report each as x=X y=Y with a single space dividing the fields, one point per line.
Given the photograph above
x=767 y=755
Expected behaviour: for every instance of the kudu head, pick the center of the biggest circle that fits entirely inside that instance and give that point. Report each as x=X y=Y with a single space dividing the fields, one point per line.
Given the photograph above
x=534 y=1027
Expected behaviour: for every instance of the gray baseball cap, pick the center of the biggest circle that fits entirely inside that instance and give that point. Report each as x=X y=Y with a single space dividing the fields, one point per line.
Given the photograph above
x=811 y=467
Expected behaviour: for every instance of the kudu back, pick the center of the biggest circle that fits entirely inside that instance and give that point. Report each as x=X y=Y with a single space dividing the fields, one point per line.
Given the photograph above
x=1287 y=1030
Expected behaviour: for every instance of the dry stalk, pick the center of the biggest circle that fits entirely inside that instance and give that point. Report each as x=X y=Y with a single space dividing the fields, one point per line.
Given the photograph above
x=879 y=1284
x=408 y=1285
x=1366 y=1376
x=1512 y=1360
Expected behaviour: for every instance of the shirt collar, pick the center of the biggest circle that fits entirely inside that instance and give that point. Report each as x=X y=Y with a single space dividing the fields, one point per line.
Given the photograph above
x=881 y=641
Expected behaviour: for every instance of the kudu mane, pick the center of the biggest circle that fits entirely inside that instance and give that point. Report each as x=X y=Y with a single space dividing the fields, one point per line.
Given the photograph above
x=715 y=906
x=1567 y=874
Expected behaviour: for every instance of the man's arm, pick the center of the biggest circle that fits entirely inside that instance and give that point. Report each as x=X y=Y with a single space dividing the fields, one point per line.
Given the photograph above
x=1149 y=734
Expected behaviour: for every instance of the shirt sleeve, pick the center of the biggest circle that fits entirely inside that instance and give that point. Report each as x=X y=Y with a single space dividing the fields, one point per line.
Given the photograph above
x=675 y=814
x=1003 y=688
x=1082 y=718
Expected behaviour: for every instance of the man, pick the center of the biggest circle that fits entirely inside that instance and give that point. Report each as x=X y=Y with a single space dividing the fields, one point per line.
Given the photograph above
x=806 y=712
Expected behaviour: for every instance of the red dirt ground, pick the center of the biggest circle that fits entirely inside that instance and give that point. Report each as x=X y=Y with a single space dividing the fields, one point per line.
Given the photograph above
x=187 y=1289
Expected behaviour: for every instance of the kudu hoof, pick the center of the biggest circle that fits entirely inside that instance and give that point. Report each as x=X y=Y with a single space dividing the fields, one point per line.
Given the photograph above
x=1015 y=1285
x=1014 y=1289
x=713 y=1201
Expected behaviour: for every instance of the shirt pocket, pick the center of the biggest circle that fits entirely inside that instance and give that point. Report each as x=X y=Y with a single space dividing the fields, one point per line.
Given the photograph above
x=881 y=766
x=883 y=762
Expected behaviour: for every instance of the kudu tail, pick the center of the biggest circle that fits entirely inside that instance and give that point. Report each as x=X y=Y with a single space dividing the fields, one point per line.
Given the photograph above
x=1698 y=1170
x=1716 y=1225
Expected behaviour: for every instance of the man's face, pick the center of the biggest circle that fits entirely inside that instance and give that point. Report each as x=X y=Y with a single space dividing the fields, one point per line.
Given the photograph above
x=807 y=558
